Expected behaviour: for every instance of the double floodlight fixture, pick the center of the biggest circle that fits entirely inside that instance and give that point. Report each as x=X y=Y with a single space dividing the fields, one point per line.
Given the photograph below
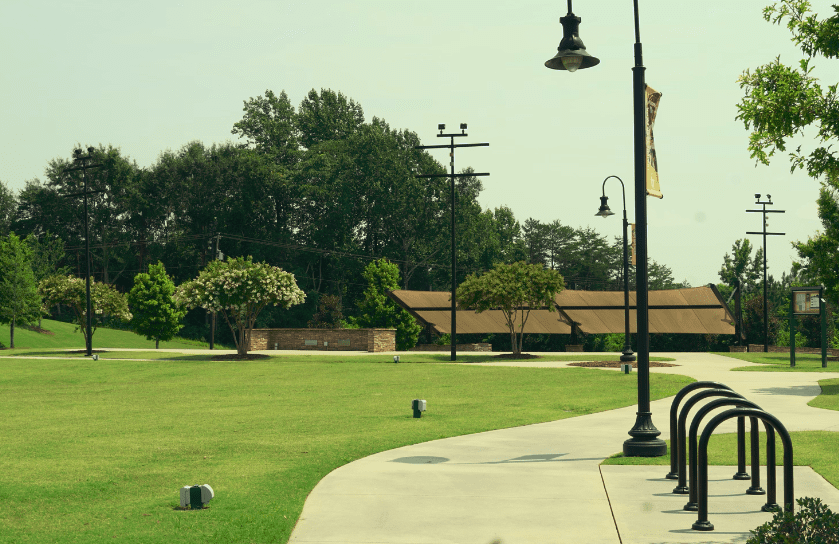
x=768 y=197
x=441 y=127
x=571 y=54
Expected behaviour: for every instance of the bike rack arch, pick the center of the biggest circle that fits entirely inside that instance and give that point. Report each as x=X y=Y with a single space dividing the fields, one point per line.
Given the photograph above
x=771 y=505
x=674 y=409
x=682 y=488
x=702 y=524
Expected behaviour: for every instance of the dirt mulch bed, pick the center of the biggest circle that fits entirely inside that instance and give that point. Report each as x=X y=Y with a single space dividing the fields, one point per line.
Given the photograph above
x=237 y=357
x=614 y=364
x=521 y=356
x=36 y=328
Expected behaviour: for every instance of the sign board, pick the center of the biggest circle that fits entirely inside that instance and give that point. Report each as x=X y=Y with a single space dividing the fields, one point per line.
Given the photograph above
x=806 y=302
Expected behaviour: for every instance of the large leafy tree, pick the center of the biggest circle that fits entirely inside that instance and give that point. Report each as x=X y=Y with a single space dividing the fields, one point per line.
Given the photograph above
x=739 y=266
x=19 y=300
x=105 y=300
x=8 y=208
x=515 y=289
x=47 y=255
x=155 y=313
x=376 y=310
x=782 y=102
x=240 y=289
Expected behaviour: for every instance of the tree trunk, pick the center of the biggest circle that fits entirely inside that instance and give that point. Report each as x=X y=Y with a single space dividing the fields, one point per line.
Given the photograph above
x=157 y=343
x=12 y=333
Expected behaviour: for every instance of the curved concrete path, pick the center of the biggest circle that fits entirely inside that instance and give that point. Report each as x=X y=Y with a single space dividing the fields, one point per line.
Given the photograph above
x=543 y=483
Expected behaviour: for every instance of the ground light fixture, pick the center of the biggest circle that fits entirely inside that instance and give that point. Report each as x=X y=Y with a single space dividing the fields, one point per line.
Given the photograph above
x=396 y=358
x=196 y=497
x=644 y=441
x=418 y=406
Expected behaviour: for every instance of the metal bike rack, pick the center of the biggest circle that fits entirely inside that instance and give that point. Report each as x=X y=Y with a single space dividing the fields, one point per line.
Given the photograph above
x=702 y=523
x=770 y=505
x=675 y=445
x=682 y=487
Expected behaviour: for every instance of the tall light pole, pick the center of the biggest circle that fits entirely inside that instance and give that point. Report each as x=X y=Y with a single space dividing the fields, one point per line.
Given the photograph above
x=572 y=56
x=605 y=212
x=451 y=146
x=83 y=164
x=765 y=234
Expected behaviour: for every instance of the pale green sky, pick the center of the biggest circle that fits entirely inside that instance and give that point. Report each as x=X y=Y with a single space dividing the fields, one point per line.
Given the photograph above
x=149 y=76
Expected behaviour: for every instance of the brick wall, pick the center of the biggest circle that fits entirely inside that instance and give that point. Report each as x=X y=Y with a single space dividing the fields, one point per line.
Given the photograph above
x=460 y=347
x=738 y=349
x=371 y=340
x=758 y=348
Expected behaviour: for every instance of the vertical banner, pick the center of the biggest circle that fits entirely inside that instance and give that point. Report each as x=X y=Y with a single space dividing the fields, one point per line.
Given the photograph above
x=633 y=244
x=652 y=98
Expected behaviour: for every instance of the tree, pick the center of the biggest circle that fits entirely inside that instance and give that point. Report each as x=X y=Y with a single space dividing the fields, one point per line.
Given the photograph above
x=19 y=300
x=820 y=253
x=740 y=266
x=239 y=289
x=781 y=102
x=155 y=313
x=8 y=208
x=515 y=289
x=105 y=300
x=269 y=125
x=379 y=311
x=47 y=253
x=329 y=315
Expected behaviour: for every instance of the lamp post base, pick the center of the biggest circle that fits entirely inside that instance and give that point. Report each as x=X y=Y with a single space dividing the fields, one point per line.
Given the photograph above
x=644 y=441
x=628 y=356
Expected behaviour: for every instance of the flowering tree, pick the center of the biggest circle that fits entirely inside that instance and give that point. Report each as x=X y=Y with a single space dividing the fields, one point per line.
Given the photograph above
x=70 y=291
x=240 y=289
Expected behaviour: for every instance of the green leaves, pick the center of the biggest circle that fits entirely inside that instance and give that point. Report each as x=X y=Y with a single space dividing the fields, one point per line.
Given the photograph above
x=156 y=314
x=378 y=311
x=514 y=289
x=240 y=289
x=19 y=300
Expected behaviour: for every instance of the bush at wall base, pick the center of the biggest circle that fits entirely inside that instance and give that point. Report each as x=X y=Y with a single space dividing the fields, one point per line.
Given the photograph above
x=813 y=523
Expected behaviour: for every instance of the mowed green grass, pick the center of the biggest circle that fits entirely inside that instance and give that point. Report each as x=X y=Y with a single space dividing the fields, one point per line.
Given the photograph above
x=779 y=362
x=64 y=336
x=93 y=451
x=817 y=449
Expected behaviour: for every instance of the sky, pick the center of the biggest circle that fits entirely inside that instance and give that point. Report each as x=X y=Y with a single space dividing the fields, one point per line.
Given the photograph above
x=154 y=75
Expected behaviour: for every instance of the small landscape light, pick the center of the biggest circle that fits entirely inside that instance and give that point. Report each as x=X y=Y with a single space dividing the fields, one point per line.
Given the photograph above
x=95 y=356
x=396 y=358
x=418 y=407
x=196 y=496
x=626 y=368
x=276 y=345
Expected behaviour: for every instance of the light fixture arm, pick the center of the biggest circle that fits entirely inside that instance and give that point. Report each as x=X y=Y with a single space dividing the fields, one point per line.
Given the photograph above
x=623 y=187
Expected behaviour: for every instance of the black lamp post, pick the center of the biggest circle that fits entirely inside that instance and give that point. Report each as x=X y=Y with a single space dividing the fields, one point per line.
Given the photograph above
x=605 y=212
x=83 y=164
x=572 y=56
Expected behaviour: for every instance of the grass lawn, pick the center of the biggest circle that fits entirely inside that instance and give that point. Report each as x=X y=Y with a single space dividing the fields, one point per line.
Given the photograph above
x=779 y=362
x=817 y=449
x=64 y=337
x=96 y=450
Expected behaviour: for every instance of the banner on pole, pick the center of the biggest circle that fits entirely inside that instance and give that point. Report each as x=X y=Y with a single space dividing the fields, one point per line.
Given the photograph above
x=652 y=98
x=633 y=244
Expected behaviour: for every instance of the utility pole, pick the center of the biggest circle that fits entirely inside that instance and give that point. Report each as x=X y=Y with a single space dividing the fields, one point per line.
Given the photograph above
x=83 y=164
x=452 y=146
x=764 y=211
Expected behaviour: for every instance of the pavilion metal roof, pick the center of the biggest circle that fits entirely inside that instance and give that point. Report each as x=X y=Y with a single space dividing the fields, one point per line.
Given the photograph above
x=698 y=310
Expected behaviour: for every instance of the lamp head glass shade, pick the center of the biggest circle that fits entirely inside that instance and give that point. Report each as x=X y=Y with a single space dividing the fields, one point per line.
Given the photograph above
x=571 y=54
x=604 y=210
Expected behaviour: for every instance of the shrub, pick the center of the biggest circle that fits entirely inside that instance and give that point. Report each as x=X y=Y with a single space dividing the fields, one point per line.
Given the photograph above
x=814 y=523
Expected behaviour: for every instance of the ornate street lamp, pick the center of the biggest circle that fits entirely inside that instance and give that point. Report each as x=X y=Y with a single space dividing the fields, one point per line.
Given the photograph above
x=644 y=441
x=605 y=212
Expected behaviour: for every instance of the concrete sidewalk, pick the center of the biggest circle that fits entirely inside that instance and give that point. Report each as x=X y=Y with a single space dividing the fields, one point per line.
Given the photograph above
x=543 y=483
